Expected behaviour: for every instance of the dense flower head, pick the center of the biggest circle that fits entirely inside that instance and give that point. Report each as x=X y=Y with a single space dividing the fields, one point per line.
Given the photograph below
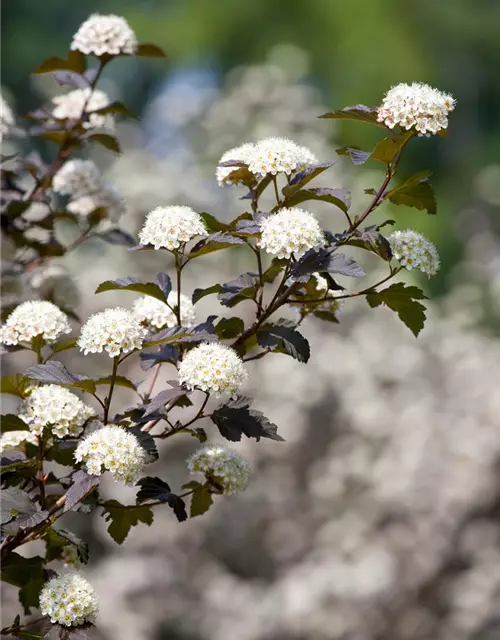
x=290 y=231
x=55 y=409
x=279 y=155
x=34 y=318
x=226 y=468
x=7 y=120
x=14 y=439
x=242 y=153
x=112 y=449
x=113 y=330
x=69 y=600
x=77 y=178
x=105 y=197
x=156 y=313
x=104 y=34
x=416 y=106
x=170 y=227
x=414 y=251
x=214 y=368
x=72 y=105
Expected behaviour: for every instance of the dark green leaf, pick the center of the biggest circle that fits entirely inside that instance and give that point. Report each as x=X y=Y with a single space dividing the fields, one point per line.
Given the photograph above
x=14 y=385
x=57 y=64
x=235 y=291
x=64 y=344
x=198 y=294
x=16 y=208
x=148 y=50
x=57 y=539
x=123 y=519
x=214 y=242
x=201 y=500
x=232 y=422
x=284 y=338
x=10 y=422
x=386 y=149
x=120 y=381
x=402 y=299
x=26 y=573
x=82 y=484
x=416 y=192
x=54 y=372
x=147 y=442
x=157 y=489
x=359 y=112
x=229 y=328
x=303 y=177
x=132 y=284
x=115 y=108
x=341 y=198
x=213 y=225
x=271 y=273
x=105 y=140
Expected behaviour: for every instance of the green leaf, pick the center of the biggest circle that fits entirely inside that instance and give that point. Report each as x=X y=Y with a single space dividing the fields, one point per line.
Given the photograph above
x=123 y=519
x=64 y=344
x=14 y=385
x=120 y=381
x=132 y=284
x=147 y=50
x=402 y=299
x=372 y=240
x=286 y=339
x=341 y=198
x=73 y=63
x=116 y=108
x=105 y=140
x=26 y=573
x=201 y=500
x=10 y=422
x=57 y=539
x=358 y=112
x=54 y=372
x=198 y=294
x=212 y=224
x=303 y=177
x=233 y=421
x=416 y=192
x=386 y=149
x=229 y=328
x=214 y=242
x=273 y=271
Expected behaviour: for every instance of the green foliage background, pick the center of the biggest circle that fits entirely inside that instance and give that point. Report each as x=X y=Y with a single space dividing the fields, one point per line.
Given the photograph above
x=358 y=49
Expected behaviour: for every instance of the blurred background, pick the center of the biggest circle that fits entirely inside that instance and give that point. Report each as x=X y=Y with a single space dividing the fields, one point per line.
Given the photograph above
x=378 y=519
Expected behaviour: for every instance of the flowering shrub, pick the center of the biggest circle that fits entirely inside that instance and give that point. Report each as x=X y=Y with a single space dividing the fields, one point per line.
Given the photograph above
x=298 y=266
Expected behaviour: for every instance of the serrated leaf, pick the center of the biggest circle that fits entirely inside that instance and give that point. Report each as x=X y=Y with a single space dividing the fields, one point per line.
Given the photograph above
x=57 y=539
x=372 y=240
x=11 y=422
x=229 y=328
x=201 y=501
x=214 y=242
x=212 y=224
x=64 y=344
x=285 y=338
x=198 y=294
x=358 y=112
x=402 y=299
x=157 y=489
x=386 y=150
x=148 y=50
x=132 y=284
x=157 y=404
x=82 y=484
x=323 y=260
x=14 y=385
x=178 y=335
x=105 y=140
x=54 y=372
x=341 y=198
x=235 y=291
x=303 y=177
x=346 y=266
x=120 y=381
x=123 y=519
x=232 y=422
x=415 y=191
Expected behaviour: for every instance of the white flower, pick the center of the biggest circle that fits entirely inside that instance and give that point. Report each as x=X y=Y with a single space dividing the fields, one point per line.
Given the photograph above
x=275 y=155
x=214 y=368
x=13 y=439
x=106 y=197
x=115 y=450
x=414 y=251
x=170 y=227
x=222 y=465
x=34 y=318
x=102 y=34
x=7 y=120
x=238 y=154
x=77 y=178
x=114 y=330
x=416 y=106
x=70 y=557
x=69 y=600
x=290 y=231
x=321 y=282
x=56 y=409
x=157 y=313
x=73 y=104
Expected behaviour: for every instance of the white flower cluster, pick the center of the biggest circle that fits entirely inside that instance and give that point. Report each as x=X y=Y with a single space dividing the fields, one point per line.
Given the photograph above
x=214 y=368
x=12 y=439
x=73 y=104
x=105 y=34
x=414 y=251
x=290 y=231
x=222 y=465
x=114 y=330
x=170 y=227
x=7 y=120
x=242 y=153
x=416 y=106
x=279 y=155
x=69 y=600
x=34 y=318
x=56 y=409
x=77 y=178
x=156 y=313
x=115 y=450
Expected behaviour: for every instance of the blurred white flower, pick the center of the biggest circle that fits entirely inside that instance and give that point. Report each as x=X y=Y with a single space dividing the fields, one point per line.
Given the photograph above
x=74 y=104
x=223 y=466
x=171 y=227
x=12 y=439
x=69 y=600
x=106 y=197
x=77 y=178
x=7 y=120
x=113 y=330
x=290 y=231
x=105 y=34
x=157 y=313
x=34 y=318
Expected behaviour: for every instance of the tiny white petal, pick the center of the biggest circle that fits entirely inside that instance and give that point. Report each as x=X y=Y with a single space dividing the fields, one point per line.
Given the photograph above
x=414 y=251
x=34 y=318
x=169 y=227
x=105 y=34
x=69 y=600
x=291 y=231
x=114 y=330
